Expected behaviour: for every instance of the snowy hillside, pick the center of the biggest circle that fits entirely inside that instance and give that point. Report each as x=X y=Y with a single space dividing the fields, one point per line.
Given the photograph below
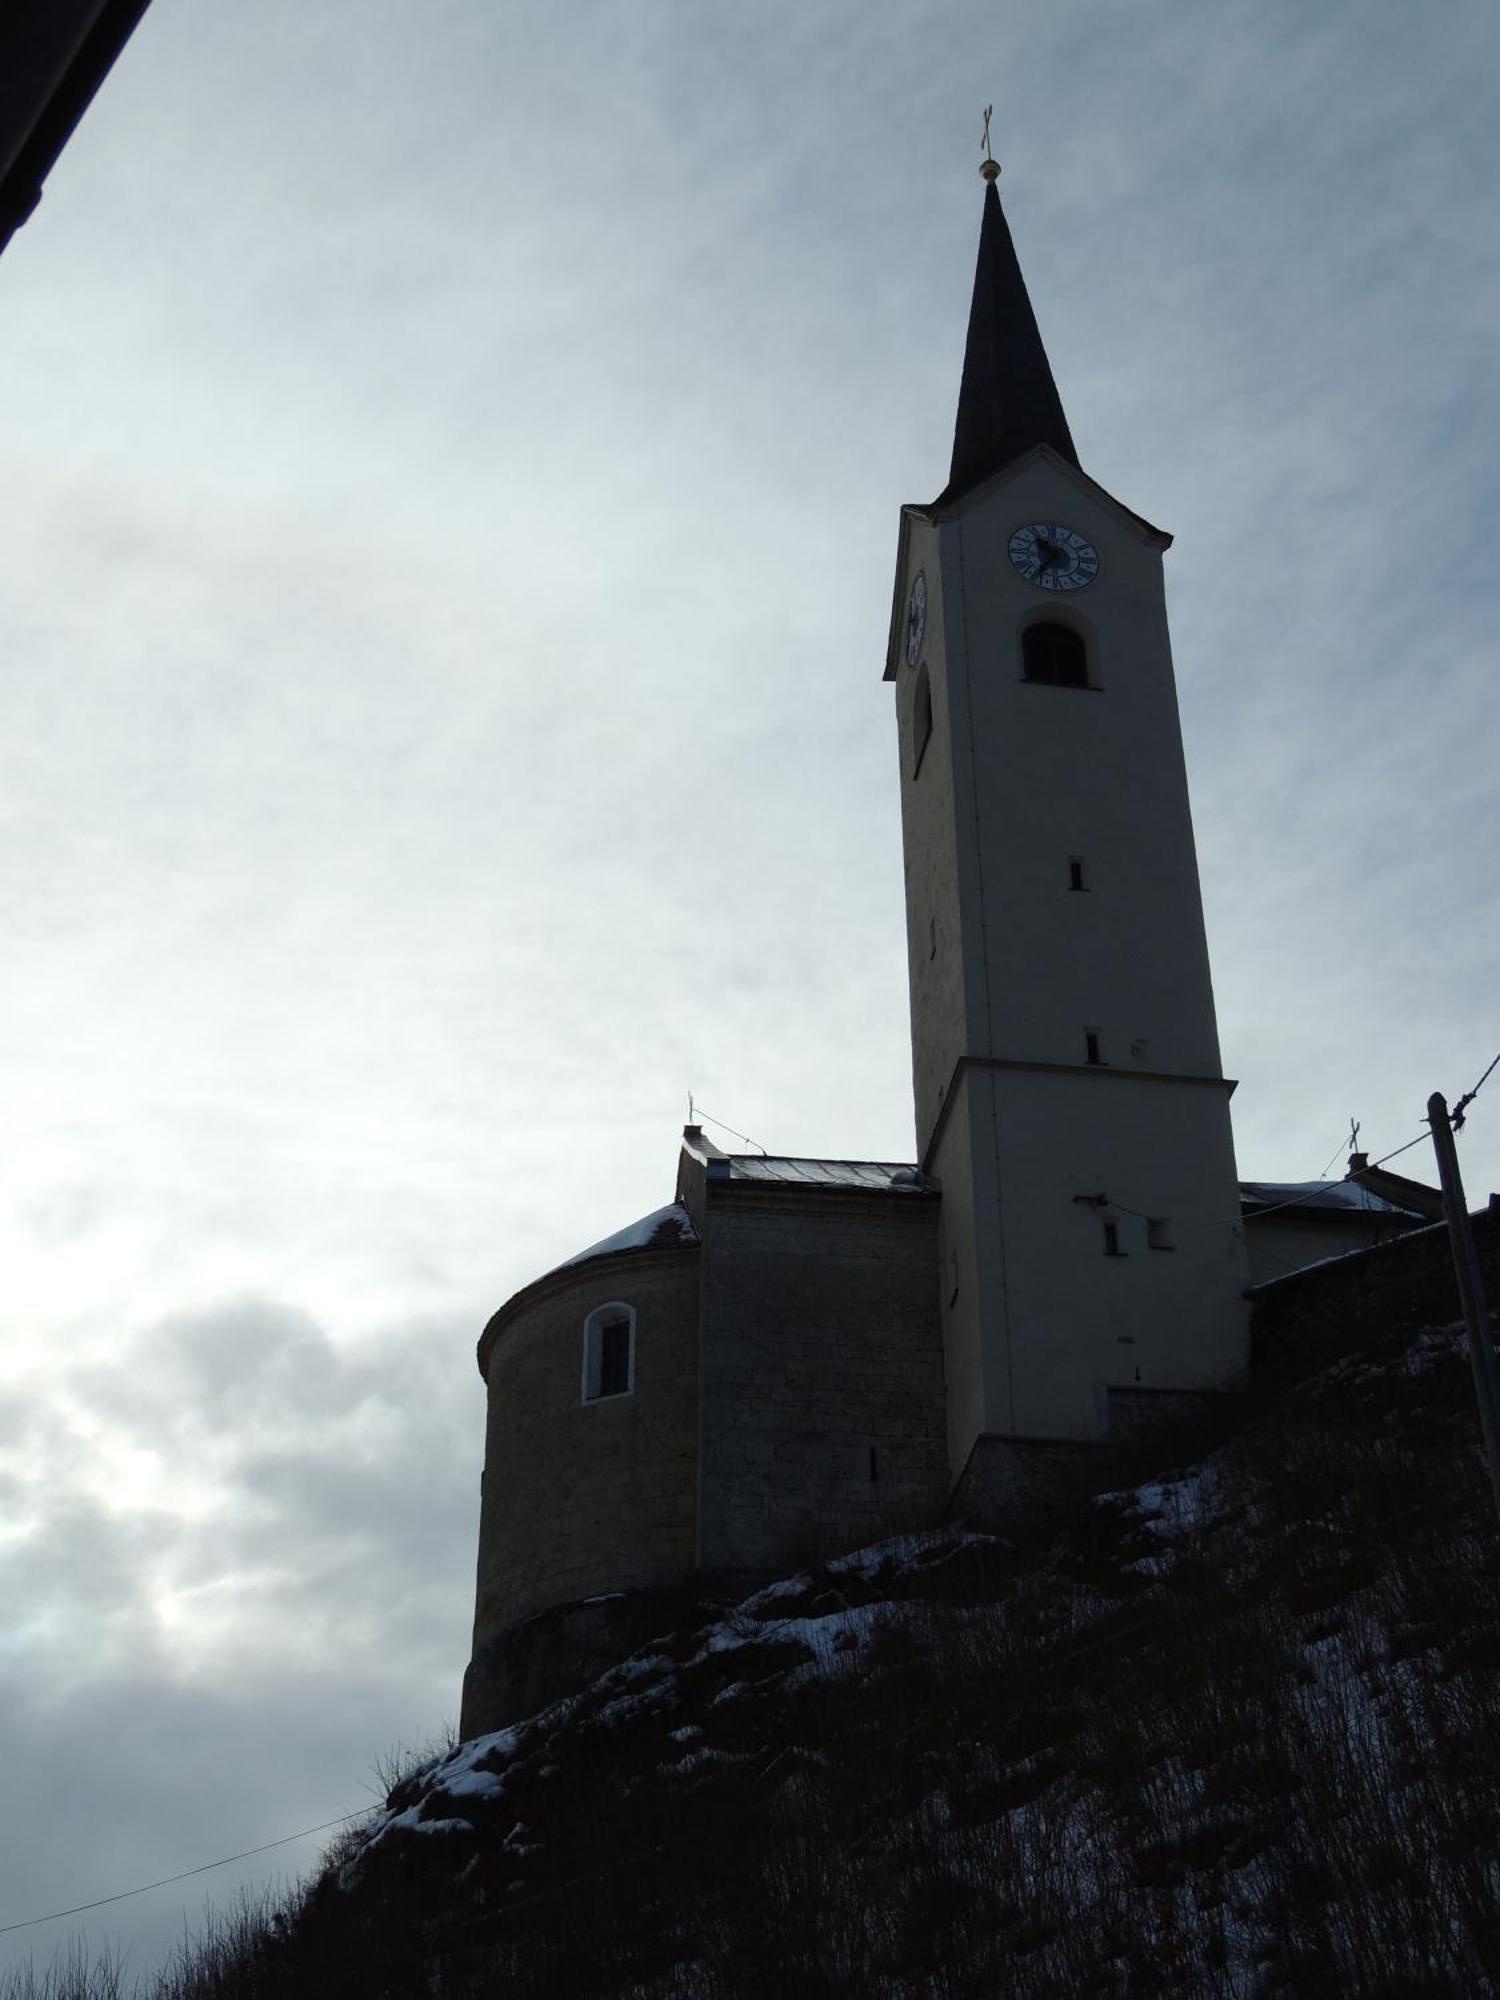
x=1233 y=1733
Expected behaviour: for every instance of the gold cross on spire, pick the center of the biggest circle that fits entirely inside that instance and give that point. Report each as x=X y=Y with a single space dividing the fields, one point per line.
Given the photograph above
x=990 y=166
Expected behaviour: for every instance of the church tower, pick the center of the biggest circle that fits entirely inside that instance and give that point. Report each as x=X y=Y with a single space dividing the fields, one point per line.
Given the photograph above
x=1070 y=1102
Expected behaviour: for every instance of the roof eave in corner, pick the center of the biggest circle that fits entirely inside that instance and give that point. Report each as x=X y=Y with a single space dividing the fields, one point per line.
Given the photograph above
x=898 y=588
x=948 y=506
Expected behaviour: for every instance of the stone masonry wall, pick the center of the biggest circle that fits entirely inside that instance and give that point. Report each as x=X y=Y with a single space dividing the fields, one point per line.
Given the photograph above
x=823 y=1421
x=1303 y=1322
x=581 y=1498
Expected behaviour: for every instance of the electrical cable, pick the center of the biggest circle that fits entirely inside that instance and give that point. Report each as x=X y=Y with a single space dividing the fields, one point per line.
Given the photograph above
x=124 y=1895
x=1320 y=1186
x=743 y=1137
x=1421 y=1136
x=1456 y=1115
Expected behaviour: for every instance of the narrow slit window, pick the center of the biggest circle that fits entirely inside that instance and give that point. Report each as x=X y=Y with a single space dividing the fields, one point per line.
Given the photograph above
x=1075 y=872
x=1054 y=655
x=1112 y=1240
x=1091 y=1046
x=921 y=717
x=608 y=1353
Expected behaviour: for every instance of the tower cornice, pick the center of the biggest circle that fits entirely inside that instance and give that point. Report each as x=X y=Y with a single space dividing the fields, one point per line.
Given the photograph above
x=938 y=512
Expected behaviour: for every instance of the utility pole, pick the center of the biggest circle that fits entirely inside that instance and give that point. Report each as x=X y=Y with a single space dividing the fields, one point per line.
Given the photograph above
x=1470 y=1284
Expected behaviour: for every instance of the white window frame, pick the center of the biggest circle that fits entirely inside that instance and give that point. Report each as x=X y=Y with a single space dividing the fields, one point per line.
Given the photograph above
x=609 y=1314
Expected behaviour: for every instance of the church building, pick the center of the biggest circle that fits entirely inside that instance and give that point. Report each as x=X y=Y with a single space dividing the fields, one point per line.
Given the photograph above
x=794 y=1357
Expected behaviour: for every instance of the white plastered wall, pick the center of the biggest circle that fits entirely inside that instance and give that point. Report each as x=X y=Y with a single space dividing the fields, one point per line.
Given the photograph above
x=1019 y=780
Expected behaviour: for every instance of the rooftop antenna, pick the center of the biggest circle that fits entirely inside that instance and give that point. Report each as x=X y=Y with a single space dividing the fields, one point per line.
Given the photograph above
x=989 y=166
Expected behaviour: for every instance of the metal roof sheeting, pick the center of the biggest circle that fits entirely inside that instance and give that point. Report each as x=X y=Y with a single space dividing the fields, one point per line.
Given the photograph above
x=823 y=1173
x=1317 y=1198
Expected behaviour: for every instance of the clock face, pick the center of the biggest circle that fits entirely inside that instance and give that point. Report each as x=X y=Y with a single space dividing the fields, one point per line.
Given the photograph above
x=1053 y=557
x=916 y=618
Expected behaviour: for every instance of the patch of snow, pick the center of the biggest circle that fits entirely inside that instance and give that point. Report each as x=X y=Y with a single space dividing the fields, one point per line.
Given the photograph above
x=473 y=1785
x=411 y=1821
x=500 y=1743
x=1433 y=1347
x=638 y=1235
x=641 y=1666
x=907 y=1551
x=626 y=1706
x=695 y=1759
x=836 y=1641
x=1167 y=1508
x=775 y=1593
x=725 y=1638
x=1319 y=1194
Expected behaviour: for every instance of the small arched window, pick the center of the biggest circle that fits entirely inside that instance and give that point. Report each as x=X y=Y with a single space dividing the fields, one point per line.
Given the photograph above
x=1055 y=655
x=921 y=717
x=609 y=1352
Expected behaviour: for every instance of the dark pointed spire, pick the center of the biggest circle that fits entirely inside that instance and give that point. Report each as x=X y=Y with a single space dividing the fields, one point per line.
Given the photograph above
x=1008 y=401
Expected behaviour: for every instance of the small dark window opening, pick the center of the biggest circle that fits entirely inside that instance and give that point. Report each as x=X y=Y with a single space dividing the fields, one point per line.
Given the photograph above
x=1112 y=1240
x=921 y=717
x=1054 y=655
x=614 y=1357
x=1158 y=1233
x=1091 y=1045
x=874 y=1468
x=1075 y=874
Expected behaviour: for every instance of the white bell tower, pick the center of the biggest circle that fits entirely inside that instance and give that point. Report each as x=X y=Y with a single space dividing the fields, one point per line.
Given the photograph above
x=1069 y=1096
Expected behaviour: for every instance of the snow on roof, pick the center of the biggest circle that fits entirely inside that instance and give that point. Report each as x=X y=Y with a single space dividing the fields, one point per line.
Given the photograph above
x=823 y=1173
x=1317 y=1197
x=662 y=1229
x=667 y=1228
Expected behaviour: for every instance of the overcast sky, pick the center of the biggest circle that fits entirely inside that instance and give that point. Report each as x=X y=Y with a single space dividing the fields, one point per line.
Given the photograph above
x=453 y=457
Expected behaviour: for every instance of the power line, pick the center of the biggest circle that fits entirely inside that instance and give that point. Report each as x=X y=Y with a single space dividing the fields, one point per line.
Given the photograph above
x=744 y=1138
x=1312 y=1191
x=124 y=1895
x=1456 y=1115
x=1419 y=1140
x=1349 y=1142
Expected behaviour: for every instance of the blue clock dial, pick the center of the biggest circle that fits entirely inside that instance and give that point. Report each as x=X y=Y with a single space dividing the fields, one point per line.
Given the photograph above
x=1053 y=557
